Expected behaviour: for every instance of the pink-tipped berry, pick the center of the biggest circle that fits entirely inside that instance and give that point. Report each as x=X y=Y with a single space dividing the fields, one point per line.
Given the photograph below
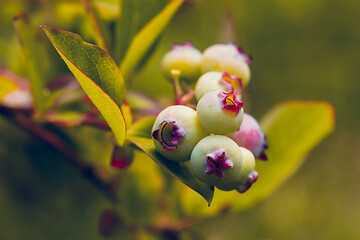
x=220 y=112
x=250 y=136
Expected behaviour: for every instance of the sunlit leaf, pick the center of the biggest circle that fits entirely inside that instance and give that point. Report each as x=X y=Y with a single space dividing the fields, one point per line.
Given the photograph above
x=143 y=40
x=14 y=91
x=97 y=74
x=292 y=130
x=140 y=135
x=6 y=86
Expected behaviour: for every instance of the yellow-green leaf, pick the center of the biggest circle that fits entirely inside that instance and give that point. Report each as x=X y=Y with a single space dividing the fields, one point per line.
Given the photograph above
x=292 y=130
x=147 y=36
x=97 y=74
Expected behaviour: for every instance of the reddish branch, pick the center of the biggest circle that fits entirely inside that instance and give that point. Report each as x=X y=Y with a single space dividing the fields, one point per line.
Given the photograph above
x=22 y=119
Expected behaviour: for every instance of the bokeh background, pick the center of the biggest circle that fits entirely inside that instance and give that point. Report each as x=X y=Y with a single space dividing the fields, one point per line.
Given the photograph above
x=302 y=49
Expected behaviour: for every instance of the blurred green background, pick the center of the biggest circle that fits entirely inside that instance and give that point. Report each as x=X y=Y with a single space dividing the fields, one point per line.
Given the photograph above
x=302 y=49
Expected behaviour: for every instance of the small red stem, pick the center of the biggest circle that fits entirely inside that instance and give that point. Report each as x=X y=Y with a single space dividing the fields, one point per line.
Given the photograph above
x=188 y=96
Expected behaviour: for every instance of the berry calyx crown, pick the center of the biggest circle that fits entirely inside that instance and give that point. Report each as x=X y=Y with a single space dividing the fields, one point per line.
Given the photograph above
x=169 y=134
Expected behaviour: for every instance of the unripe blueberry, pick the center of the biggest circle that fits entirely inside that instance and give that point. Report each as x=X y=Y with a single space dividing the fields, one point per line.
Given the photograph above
x=245 y=177
x=122 y=157
x=217 y=160
x=252 y=177
x=227 y=58
x=186 y=59
x=220 y=112
x=250 y=136
x=176 y=131
x=214 y=80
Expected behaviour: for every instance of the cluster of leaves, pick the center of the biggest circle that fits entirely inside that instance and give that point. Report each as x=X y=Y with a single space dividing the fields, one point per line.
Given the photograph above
x=103 y=71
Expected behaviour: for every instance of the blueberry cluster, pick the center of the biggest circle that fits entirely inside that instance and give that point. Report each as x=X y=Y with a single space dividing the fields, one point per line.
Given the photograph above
x=220 y=140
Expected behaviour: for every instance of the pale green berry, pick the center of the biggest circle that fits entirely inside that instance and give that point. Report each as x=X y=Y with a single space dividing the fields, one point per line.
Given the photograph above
x=216 y=160
x=244 y=176
x=227 y=58
x=214 y=80
x=185 y=59
x=220 y=112
x=176 y=131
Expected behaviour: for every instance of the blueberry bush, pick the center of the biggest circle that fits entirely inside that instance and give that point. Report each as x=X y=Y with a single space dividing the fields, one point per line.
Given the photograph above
x=160 y=164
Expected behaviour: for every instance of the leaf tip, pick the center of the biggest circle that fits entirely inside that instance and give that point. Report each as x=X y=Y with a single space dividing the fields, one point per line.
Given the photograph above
x=328 y=111
x=210 y=198
x=331 y=113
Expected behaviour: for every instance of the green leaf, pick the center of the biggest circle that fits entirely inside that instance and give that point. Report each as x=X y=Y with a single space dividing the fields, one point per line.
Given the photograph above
x=97 y=74
x=140 y=135
x=126 y=26
x=66 y=119
x=135 y=14
x=100 y=30
x=36 y=57
x=143 y=40
x=142 y=128
x=292 y=130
